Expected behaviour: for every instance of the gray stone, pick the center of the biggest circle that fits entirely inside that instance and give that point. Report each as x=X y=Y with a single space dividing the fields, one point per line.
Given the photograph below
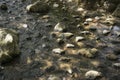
x=66 y=35
x=106 y=32
x=8 y=44
x=70 y=45
x=38 y=6
x=92 y=74
x=116 y=65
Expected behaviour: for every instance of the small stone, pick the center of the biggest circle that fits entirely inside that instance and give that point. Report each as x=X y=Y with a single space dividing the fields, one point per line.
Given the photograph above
x=55 y=5
x=59 y=27
x=85 y=32
x=92 y=74
x=89 y=20
x=111 y=56
x=70 y=45
x=69 y=71
x=24 y=25
x=79 y=38
x=3 y=6
x=105 y=32
x=80 y=9
x=37 y=51
x=97 y=18
x=60 y=41
x=53 y=77
x=66 y=35
x=86 y=23
x=116 y=65
x=80 y=44
x=58 y=51
x=45 y=17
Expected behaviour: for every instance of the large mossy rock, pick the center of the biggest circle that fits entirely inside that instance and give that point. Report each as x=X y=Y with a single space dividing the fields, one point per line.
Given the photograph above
x=9 y=46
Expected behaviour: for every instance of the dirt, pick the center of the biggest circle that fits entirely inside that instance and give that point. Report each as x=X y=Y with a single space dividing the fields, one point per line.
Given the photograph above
x=37 y=62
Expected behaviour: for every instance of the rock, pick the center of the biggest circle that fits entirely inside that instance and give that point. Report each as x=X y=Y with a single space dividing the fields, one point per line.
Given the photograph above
x=60 y=41
x=70 y=45
x=3 y=6
x=89 y=20
x=55 y=5
x=53 y=77
x=92 y=74
x=8 y=44
x=111 y=56
x=80 y=44
x=80 y=10
x=38 y=6
x=116 y=65
x=79 y=38
x=58 y=51
x=66 y=35
x=59 y=27
x=85 y=32
x=105 y=32
x=88 y=52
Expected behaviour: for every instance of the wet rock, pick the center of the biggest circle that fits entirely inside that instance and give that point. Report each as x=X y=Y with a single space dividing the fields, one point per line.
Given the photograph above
x=92 y=74
x=38 y=6
x=70 y=45
x=105 y=32
x=58 y=51
x=53 y=77
x=79 y=38
x=88 y=52
x=116 y=65
x=59 y=27
x=8 y=44
x=111 y=56
x=3 y=6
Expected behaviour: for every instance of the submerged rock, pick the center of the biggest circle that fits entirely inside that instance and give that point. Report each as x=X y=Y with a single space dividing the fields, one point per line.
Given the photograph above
x=92 y=74
x=38 y=6
x=8 y=44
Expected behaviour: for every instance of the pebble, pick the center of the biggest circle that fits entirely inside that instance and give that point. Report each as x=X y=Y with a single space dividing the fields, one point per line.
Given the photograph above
x=58 y=51
x=116 y=65
x=66 y=35
x=59 y=27
x=92 y=74
x=105 y=32
x=60 y=41
x=85 y=32
x=80 y=9
x=70 y=45
x=89 y=20
x=79 y=38
x=53 y=77
x=55 y=5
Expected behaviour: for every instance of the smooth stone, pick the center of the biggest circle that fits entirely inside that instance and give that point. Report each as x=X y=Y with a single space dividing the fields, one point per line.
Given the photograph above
x=80 y=10
x=53 y=77
x=79 y=38
x=60 y=41
x=92 y=74
x=105 y=32
x=116 y=65
x=58 y=51
x=85 y=32
x=89 y=20
x=59 y=27
x=66 y=35
x=70 y=45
